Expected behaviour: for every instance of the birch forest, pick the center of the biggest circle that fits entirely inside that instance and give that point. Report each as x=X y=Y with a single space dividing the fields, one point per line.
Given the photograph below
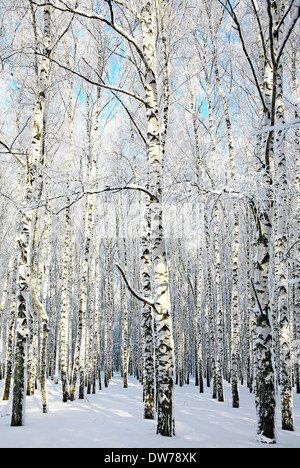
x=150 y=201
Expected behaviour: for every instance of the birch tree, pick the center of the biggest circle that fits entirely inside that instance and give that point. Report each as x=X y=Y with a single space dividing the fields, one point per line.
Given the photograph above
x=213 y=31
x=161 y=297
x=152 y=108
x=267 y=89
x=32 y=191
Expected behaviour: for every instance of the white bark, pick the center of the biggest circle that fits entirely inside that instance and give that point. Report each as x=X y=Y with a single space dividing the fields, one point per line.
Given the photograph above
x=161 y=294
x=18 y=404
x=282 y=247
x=265 y=377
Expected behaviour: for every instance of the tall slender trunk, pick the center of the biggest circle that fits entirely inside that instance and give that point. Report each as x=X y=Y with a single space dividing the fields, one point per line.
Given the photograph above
x=296 y=237
x=65 y=294
x=164 y=343
x=265 y=373
x=235 y=250
x=147 y=314
x=11 y=328
x=89 y=223
x=96 y=255
x=32 y=191
x=202 y=251
x=122 y=245
x=282 y=247
x=109 y=304
x=18 y=404
x=64 y=316
x=218 y=308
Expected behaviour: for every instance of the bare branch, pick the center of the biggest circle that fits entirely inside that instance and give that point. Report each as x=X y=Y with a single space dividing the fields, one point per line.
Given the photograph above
x=20 y=132
x=124 y=106
x=13 y=154
x=284 y=16
x=289 y=29
x=114 y=188
x=271 y=33
x=256 y=297
x=112 y=18
x=239 y=29
x=95 y=83
x=134 y=12
x=134 y=293
x=94 y=16
x=260 y=28
x=290 y=248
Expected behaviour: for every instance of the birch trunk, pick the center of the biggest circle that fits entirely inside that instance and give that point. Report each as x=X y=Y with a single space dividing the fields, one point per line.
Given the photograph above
x=265 y=374
x=42 y=305
x=10 y=331
x=95 y=256
x=123 y=298
x=295 y=95
x=38 y=161
x=147 y=331
x=164 y=344
x=32 y=190
x=265 y=377
x=202 y=250
x=109 y=303
x=147 y=314
x=218 y=308
x=18 y=404
x=77 y=349
x=89 y=225
x=65 y=302
x=282 y=247
x=64 y=311
x=235 y=250
x=6 y=337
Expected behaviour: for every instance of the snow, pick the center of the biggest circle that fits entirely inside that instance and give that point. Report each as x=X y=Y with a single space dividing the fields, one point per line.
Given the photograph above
x=113 y=418
x=285 y=126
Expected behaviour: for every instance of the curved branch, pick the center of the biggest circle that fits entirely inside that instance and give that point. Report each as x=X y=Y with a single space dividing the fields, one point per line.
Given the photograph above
x=232 y=13
x=95 y=83
x=129 y=8
x=114 y=188
x=133 y=292
x=94 y=16
x=13 y=154
x=117 y=188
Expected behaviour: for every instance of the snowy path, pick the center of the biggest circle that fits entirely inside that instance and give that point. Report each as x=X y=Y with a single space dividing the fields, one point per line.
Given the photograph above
x=113 y=418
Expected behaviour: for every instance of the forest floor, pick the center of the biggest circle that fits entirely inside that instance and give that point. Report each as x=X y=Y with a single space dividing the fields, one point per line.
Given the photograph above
x=113 y=418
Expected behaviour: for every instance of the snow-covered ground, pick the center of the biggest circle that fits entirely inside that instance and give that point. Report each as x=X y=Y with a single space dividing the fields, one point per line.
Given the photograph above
x=113 y=418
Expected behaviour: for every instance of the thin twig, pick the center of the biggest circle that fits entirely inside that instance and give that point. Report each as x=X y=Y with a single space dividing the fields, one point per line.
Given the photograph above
x=95 y=83
x=13 y=154
x=107 y=188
